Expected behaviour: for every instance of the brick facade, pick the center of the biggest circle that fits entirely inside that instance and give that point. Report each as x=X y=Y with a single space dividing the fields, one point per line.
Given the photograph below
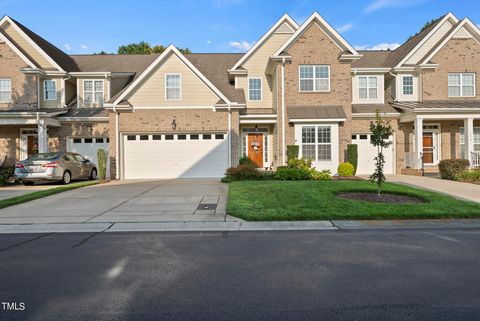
x=24 y=87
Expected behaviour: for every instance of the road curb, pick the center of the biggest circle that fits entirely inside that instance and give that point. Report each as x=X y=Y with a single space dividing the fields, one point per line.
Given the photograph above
x=237 y=226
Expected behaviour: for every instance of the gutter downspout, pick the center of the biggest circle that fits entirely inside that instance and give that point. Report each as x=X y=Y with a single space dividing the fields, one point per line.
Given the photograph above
x=283 y=111
x=117 y=144
x=229 y=136
x=64 y=88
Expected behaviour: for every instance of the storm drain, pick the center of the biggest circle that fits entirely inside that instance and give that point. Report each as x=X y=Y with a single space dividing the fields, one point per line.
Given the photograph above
x=206 y=207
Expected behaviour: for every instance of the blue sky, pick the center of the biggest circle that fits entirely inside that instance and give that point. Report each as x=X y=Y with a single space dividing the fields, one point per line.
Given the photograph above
x=86 y=26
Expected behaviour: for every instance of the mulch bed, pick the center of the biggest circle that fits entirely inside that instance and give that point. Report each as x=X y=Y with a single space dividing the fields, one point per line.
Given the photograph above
x=383 y=198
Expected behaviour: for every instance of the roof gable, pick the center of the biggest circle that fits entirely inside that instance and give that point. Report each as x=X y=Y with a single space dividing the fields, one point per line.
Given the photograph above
x=17 y=50
x=326 y=27
x=463 y=29
x=170 y=50
x=402 y=54
x=278 y=27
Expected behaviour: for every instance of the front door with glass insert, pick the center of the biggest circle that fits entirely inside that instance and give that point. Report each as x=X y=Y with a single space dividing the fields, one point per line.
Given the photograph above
x=255 y=149
x=428 y=148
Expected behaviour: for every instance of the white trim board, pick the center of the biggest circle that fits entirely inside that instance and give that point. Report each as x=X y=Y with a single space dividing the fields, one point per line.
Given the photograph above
x=284 y=18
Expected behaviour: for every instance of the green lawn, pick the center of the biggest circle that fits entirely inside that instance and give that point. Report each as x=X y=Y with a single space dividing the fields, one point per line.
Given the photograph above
x=43 y=193
x=317 y=200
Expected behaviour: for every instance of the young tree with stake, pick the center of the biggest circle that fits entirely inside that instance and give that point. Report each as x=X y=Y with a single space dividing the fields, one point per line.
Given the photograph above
x=381 y=131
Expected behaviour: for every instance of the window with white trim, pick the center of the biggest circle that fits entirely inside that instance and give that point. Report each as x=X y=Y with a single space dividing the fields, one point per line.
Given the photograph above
x=407 y=83
x=461 y=84
x=49 y=89
x=255 y=89
x=314 y=78
x=317 y=143
x=476 y=141
x=93 y=91
x=367 y=87
x=5 y=90
x=173 y=85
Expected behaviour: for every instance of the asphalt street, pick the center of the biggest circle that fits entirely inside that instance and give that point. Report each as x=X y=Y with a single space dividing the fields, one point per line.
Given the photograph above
x=322 y=275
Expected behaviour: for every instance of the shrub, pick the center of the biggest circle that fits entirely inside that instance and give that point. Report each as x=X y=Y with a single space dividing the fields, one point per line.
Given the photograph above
x=352 y=156
x=292 y=152
x=243 y=172
x=6 y=172
x=102 y=163
x=472 y=176
x=300 y=169
x=452 y=168
x=345 y=169
x=245 y=160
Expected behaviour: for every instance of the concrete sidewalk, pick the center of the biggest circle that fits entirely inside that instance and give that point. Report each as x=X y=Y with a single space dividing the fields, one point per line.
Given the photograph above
x=463 y=191
x=18 y=190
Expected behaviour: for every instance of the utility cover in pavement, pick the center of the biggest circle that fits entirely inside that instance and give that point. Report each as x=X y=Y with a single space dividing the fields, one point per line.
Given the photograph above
x=207 y=207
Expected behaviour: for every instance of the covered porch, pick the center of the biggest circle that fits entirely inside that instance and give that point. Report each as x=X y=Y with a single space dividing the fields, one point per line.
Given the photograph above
x=25 y=132
x=439 y=130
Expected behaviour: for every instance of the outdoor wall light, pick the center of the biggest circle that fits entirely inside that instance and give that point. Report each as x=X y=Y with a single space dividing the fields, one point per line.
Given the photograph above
x=174 y=124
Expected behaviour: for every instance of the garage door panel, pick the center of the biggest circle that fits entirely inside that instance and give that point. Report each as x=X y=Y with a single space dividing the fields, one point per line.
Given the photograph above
x=367 y=153
x=88 y=147
x=202 y=158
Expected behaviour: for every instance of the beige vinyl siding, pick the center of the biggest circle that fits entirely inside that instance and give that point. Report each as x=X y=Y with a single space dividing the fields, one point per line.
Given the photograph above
x=80 y=102
x=51 y=103
x=26 y=46
x=70 y=91
x=151 y=92
x=428 y=45
x=256 y=65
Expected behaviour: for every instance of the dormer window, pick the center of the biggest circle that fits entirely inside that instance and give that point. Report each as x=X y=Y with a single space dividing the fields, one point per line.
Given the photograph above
x=49 y=89
x=93 y=91
x=407 y=83
x=367 y=87
x=173 y=85
x=461 y=84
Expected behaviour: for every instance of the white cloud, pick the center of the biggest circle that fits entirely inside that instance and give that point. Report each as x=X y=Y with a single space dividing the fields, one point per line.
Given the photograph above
x=345 y=28
x=380 y=46
x=67 y=47
x=209 y=42
x=224 y=3
x=382 y=4
x=241 y=45
x=84 y=47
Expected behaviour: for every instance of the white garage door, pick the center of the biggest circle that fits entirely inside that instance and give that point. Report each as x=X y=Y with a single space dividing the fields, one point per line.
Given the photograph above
x=88 y=147
x=367 y=152
x=175 y=155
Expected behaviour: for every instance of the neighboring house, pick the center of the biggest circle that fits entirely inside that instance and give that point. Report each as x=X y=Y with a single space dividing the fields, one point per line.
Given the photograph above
x=173 y=115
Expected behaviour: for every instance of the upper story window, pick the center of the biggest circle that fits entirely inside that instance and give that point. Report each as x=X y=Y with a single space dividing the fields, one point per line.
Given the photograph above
x=255 y=89
x=314 y=78
x=173 y=85
x=407 y=85
x=5 y=90
x=367 y=87
x=49 y=89
x=461 y=84
x=93 y=91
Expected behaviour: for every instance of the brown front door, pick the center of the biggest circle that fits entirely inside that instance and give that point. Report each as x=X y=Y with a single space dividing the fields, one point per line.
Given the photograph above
x=427 y=148
x=32 y=145
x=255 y=149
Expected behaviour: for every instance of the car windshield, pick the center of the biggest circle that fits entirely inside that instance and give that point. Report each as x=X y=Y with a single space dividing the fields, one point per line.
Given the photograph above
x=44 y=156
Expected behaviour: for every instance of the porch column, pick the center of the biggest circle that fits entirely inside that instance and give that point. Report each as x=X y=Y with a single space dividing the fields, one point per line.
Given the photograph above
x=418 y=141
x=468 y=131
x=42 y=136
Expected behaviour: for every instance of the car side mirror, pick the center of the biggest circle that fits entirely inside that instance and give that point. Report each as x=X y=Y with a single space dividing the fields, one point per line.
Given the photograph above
x=86 y=161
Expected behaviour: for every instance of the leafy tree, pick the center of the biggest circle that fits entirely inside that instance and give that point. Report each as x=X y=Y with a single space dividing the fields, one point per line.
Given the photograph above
x=381 y=130
x=101 y=53
x=144 y=48
x=425 y=26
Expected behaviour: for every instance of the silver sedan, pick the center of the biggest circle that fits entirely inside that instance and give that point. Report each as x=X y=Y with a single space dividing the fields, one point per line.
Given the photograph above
x=61 y=167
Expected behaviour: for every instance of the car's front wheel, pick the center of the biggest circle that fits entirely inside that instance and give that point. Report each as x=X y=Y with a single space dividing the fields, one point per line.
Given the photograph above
x=93 y=174
x=67 y=178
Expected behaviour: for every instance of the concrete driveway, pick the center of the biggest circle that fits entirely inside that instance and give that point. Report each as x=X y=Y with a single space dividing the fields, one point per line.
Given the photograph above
x=180 y=200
